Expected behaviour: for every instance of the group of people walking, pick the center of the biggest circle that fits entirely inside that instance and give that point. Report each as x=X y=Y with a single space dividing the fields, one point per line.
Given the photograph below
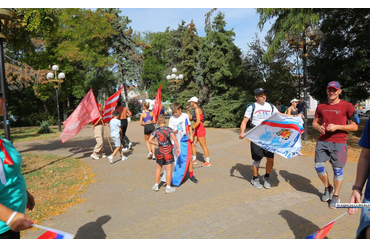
x=168 y=138
x=333 y=119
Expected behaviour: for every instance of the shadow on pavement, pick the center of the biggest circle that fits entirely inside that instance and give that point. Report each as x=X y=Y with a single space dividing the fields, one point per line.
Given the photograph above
x=300 y=183
x=246 y=173
x=93 y=230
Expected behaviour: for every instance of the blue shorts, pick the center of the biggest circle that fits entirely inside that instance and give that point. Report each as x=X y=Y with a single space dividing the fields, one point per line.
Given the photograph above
x=364 y=221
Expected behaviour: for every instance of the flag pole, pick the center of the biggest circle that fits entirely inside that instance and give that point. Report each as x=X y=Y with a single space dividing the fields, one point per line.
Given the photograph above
x=106 y=134
x=336 y=219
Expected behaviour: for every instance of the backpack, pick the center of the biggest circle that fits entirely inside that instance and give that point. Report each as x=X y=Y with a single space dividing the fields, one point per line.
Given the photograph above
x=253 y=108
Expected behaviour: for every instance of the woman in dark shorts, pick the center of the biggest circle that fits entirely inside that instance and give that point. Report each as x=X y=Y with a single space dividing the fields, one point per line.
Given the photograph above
x=146 y=120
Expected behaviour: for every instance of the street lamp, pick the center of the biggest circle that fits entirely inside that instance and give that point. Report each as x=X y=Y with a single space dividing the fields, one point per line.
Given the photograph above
x=309 y=39
x=175 y=79
x=6 y=15
x=61 y=76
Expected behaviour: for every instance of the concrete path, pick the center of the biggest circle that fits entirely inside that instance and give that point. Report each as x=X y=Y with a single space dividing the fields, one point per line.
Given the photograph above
x=224 y=205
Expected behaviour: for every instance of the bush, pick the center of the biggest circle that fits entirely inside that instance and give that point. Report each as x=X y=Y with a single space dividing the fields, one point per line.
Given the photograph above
x=44 y=128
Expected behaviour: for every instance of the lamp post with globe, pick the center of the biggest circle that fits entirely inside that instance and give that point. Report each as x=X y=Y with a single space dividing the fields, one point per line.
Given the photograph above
x=175 y=79
x=61 y=76
x=310 y=38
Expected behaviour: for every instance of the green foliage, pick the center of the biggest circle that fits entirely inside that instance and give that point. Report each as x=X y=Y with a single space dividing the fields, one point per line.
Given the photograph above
x=41 y=21
x=189 y=55
x=227 y=110
x=154 y=60
x=343 y=54
x=135 y=107
x=98 y=49
x=44 y=128
x=219 y=63
x=286 y=21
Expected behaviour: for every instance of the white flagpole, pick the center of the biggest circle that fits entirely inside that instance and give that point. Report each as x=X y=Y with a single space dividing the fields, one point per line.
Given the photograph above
x=336 y=219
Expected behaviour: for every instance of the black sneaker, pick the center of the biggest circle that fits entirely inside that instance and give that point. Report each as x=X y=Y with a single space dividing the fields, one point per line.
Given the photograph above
x=194 y=179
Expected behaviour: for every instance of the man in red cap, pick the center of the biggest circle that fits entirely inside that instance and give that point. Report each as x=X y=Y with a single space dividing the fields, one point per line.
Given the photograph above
x=333 y=119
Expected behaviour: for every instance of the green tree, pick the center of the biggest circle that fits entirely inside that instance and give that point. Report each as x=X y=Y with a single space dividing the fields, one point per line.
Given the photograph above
x=154 y=65
x=343 y=54
x=189 y=55
x=24 y=37
x=286 y=21
x=219 y=60
x=126 y=54
x=219 y=75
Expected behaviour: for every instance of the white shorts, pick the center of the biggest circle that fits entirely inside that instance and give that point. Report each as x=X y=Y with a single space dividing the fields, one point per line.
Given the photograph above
x=117 y=141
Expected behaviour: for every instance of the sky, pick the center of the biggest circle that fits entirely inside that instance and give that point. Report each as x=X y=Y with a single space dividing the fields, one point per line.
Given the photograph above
x=243 y=21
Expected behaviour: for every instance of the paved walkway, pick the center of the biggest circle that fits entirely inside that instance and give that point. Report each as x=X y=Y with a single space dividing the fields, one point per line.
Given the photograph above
x=121 y=204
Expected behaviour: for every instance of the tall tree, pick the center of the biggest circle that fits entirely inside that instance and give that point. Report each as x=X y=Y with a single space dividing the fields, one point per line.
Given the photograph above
x=189 y=54
x=126 y=55
x=286 y=21
x=154 y=64
x=343 y=54
x=219 y=60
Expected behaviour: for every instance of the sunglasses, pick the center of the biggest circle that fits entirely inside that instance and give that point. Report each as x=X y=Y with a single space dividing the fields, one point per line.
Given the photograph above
x=261 y=95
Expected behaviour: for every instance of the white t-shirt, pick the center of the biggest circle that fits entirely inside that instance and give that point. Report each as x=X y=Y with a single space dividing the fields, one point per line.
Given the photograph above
x=114 y=127
x=178 y=123
x=261 y=112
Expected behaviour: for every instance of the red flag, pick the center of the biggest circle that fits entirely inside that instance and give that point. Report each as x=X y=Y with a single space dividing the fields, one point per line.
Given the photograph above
x=85 y=112
x=322 y=232
x=110 y=106
x=157 y=105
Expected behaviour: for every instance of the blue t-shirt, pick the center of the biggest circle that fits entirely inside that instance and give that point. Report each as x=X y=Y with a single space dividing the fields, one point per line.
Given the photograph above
x=12 y=195
x=365 y=143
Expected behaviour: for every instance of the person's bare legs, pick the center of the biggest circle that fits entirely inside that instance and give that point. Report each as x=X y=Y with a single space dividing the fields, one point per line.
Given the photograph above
x=169 y=174
x=146 y=137
x=325 y=179
x=269 y=165
x=203 y=144
x=158 y=173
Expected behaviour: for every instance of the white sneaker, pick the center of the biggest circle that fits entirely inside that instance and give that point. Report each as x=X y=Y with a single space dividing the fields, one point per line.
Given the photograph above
x=101 y=155
x=150 y=155
x=124 y=149
x=170 y=190
x=110 y=158
x=155 y=187
x=153 y=158
x=124 y=158
x=129 y=145
x=94 y=156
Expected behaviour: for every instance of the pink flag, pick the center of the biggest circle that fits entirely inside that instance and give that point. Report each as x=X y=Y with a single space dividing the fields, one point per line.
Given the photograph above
x=110 y=106
x=85 y=112
x=157 y=104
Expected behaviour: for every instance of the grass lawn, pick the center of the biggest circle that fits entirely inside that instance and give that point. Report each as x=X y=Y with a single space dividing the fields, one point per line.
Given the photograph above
x=55 y=182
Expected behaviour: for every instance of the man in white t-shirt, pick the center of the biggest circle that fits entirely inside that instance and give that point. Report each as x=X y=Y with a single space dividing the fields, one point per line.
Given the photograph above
x=262 y=111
